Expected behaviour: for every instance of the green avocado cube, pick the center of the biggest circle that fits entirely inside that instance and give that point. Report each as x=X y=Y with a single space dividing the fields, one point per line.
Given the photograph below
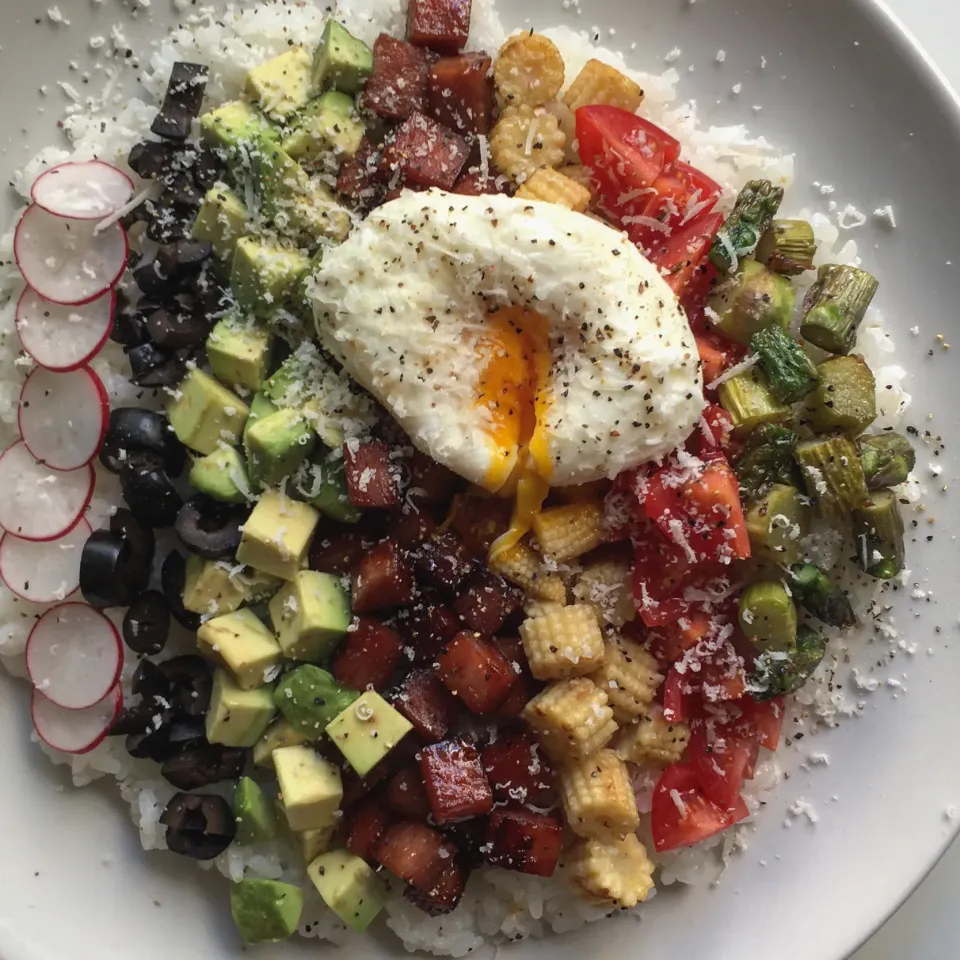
x=222 y=475
x=280 y=733
x=265 y=911
x=241 y=643
x=221 y=220
x=329 y=124
x=237 y=717
x=239 y=351
x=349 y=887
x=310 y=788
x=341 y=61
x=328 y=489
x=260 y=406
x=309 y=698
x=253 y=813
x=277 y=534
x=264 y=275
x=367 y=731
x=315 y=842
x=235 y=125
x=282 y=85
x=204 y=413
x=212 y=588
x=277 y=445
x=311 y=615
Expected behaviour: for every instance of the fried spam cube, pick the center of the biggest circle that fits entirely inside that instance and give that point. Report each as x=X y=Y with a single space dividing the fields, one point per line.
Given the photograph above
x=358 y=179
x=486 y=601
x=473 y=669
x=407 y=794
x=456 y=785
x=413 y=852
x=475 y=183
x=598 y=797
x=617 y=872
x=444 y=893
x=364 y=825
x=571 y=718
x=371 y=478
x=630 y=678
x=430 y=627
x=424 y=153
x=337 y=548
x=443 y=562
x=441 y=25
x=410 y=527
x=525 y=687
x=382 y=579
x=368 y=655
x=460 y=92
x=427 y=704
x=480 y=520
x=563 y=642
x=398 y=85
x=516 y=770
x=525 y=841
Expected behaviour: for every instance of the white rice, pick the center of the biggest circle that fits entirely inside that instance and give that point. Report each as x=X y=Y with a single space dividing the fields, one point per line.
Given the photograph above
x=498 y=904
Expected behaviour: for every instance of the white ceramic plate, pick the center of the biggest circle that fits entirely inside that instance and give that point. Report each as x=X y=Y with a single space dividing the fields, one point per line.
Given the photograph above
x=865 y=113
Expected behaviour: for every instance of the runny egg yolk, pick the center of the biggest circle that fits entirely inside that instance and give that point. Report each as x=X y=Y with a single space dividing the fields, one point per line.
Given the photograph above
x=513 y=390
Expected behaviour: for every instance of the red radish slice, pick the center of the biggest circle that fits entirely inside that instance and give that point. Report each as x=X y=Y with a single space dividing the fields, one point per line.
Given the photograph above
x=61 y=337
x=86 y=190
x=74 y=656
x=63 y=417
x=66 y=260
x=74 y=731
x=37 y=503
x=46 y=571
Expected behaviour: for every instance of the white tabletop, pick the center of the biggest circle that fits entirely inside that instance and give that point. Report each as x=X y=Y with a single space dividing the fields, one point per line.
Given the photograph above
x=927 y=927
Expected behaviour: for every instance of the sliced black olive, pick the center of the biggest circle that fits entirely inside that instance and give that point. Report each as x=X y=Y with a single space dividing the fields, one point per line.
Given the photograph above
x=182 y=101
x=207 y=167
x=198 y=825
x=208 y=294
x=104 y=562
x=152 y=158
x=209 y=528
x=186 y=733
x=191 y=680
x=152 y=366
x=129 y=329
x=132 y=720
x=181 y=196
x=174 y=328
x=173 y=575
x=199 y=766
x=172 y=266
x=150 y=681
x=134 y=430
x=166 y=222
x=153 y=742
x=142 y=542
x=146 y=623
x=150 y=493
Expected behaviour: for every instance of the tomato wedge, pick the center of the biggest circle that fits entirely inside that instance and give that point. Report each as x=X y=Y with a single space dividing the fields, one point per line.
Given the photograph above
x=681 y=815
x=764 y=720
x=717 y=355
x=678 y=702
x=723 y=759
x=684 y=196
x=713 y=433
x=669 y=642
x=680 y=255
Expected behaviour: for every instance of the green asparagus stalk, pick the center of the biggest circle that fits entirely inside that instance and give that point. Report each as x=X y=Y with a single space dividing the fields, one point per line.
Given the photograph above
x=768 y=615
x=844 y=399
x=748 y=400
x=777 y=673
x=887 y=460
x=832 y=474
x=835 y=306
x=777 y=522
x=792 y=374
x=767 y=458
x=755 y=299
x=816 y=593
x=752 y=214
x=878 y=532
x=788 y=247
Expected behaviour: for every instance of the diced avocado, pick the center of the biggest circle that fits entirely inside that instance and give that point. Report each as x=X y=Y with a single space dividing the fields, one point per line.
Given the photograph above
x=777 y=522
x=367 y=731
x=326 y=485
x=210 y=588
x=222 y=475
x=239 y=351
x=328 y=124
x=260 y=406
x=280 y=733
x=235 y=125
x=221 y=220
x=253 y=813
x=310 y=787
x=265 y=911
x=277 y=445
x=768 y=615
x=316 y=214
x=264 y=274
x=282 y=85
x=241 y=643
x=311 y=615
x=204 y=413
x=237 y=717
x=309 y=698
x=349 y=887
x=315 y=842
x=341 y=62
x=277 y=534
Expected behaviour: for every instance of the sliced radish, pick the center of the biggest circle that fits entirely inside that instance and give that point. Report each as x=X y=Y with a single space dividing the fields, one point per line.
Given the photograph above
x=74 y=656
x=46 y=571
x=85 y=190
x=61 y=337
x=66 y=260
x=37 y=503
x=63 y=417
x=74 y=731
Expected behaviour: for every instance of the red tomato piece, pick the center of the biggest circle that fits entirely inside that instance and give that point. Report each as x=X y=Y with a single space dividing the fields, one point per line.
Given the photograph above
x=714 y=432
x=684 y=196
x=722 y=758
x=717 y=354
x=680 y=254
x=722 y=680
x=671 y=641
x=681 y=815
x=677 y=707
x=764 y=720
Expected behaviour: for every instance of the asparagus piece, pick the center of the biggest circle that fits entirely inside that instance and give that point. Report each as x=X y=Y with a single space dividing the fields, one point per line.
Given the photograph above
x=776 y=523
x=768 y=615
x=832 y=474
x=752 y=214
x=767 y=458
x=845 y=398
x=777 y=673
x=816 y=593
x=748 y=400
x=878 y=532
x=755 y=299
x=788 y=247
x=792 y=374
x=835 y=306
x=887 y=460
